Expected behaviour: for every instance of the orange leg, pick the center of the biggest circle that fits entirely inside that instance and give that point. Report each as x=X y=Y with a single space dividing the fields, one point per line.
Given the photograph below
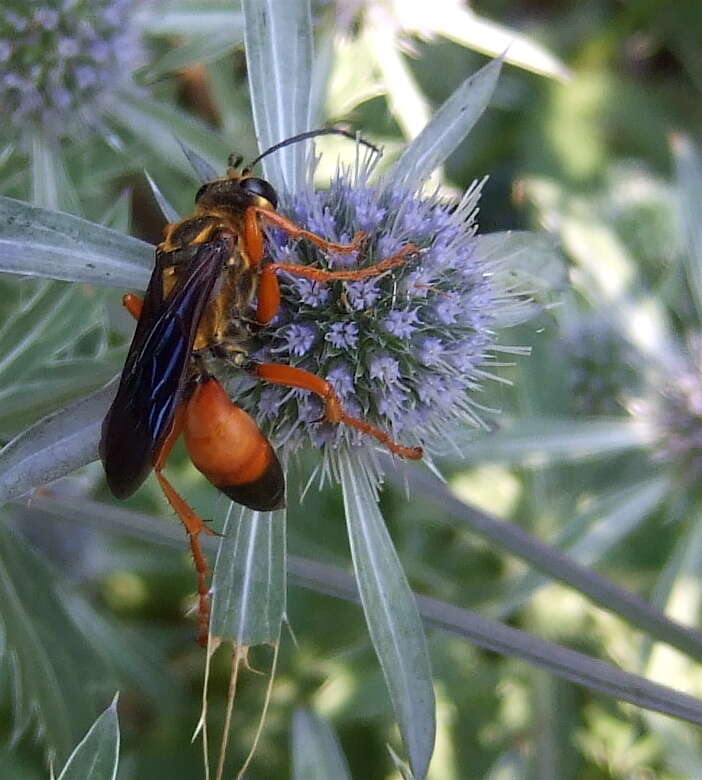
x=133 y=304
x=289 y=376
x=194 y=526
x=269 y=288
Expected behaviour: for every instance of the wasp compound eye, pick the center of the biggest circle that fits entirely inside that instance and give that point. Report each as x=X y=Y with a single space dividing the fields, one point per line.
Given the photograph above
x=261 y=188
x=201 y=192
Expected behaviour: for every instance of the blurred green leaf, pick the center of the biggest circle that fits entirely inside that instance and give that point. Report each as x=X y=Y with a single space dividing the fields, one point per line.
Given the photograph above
x=450 y=124
x=52 y=664
x=532 y=257
x=200 y=49
x=279 y=58
x=538 y=441
x=37 y=242
x=591 y=535
x=51 y=186
x=54 y=446
x=160 y=127
x=315 y=749
x=96 y=757
x=688 y=164
x=190 y=17
x=54 y=319
x=248 y=583
x=391 y=613
x=408 y=105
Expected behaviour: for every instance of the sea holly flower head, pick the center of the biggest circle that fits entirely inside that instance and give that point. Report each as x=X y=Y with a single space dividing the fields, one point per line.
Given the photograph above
x=60 y=58
x=408 y=348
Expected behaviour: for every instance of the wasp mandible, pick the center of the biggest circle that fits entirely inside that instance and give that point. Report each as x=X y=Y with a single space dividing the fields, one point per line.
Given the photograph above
x=209 y=269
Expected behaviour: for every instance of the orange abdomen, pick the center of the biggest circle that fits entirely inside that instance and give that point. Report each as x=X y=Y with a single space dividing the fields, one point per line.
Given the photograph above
x=228 y=447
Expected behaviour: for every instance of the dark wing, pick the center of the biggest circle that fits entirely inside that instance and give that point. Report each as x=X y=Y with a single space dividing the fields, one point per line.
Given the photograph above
x=156 y=371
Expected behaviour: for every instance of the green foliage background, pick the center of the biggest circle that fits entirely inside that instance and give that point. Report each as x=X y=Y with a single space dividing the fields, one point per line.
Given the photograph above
x=588 y=159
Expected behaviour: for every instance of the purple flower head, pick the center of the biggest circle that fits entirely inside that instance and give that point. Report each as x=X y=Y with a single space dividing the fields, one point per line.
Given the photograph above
x=447 y=308
x=300 y=338
x=72 y=54
x=385 y=369
x=363 y=294
x=312 y=293
x=403 y=349
x=430 y=351
x=401 y=323
x=340 y=376
x=343 y=335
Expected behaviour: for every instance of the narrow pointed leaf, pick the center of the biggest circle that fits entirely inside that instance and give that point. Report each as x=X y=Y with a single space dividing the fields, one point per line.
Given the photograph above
x=54 y=446
x=279 y=44
x=248 y=584
x=38 y=242
x=204 y=171
x=96 y=757
x=391 y=613
x=316 y=752
x=450 y=124
x=169 y=212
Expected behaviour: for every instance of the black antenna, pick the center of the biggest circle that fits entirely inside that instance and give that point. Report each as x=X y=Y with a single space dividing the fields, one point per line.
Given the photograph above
x=313 y=134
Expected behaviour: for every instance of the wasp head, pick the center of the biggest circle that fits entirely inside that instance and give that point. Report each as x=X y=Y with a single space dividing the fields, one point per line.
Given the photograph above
x=238 y=190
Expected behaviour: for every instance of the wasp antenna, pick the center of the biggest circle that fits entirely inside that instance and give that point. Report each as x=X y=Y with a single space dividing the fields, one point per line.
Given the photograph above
x=235 y=160
x=313 y=134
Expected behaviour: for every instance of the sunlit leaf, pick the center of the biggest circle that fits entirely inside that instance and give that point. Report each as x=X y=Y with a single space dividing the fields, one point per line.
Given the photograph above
x=96 y=757
x=391 y=614
x=248 y=583
x=455 y=21
x=37 y=242
x=405 y=99
x=279 y=58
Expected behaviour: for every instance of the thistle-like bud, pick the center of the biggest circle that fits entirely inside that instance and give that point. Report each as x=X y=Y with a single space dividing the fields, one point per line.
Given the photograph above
x=59 y=59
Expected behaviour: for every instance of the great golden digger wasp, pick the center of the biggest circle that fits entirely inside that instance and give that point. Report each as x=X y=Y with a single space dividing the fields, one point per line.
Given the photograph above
x=209 y=270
